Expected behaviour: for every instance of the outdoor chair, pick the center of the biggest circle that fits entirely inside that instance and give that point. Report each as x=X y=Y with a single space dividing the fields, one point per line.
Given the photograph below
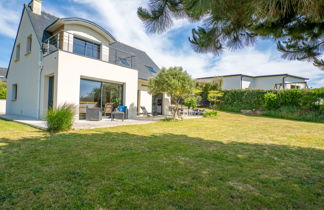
x=121 y=111
x=109 y=108
x=145 y=112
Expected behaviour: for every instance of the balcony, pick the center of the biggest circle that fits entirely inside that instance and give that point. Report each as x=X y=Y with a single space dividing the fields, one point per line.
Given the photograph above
x=75 y=44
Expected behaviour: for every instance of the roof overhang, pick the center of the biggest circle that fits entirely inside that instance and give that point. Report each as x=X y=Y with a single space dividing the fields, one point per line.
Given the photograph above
x=79 y=21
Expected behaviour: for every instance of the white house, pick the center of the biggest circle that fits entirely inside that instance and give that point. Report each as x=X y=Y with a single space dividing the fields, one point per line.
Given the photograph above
x=73 y=60
x=275 y=81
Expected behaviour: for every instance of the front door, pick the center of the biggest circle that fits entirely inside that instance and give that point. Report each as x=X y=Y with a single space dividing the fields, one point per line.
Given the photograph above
x=50 y=92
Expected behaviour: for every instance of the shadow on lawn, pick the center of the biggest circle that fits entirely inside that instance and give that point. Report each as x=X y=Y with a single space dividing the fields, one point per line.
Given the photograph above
x=122 y=170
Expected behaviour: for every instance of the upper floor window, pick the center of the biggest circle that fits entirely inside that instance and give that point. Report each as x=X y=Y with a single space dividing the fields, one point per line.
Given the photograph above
x=29 y=44
x=151 y=69
x=86 y=48
x=14 y=92
x=124 y=61
x=17 y=52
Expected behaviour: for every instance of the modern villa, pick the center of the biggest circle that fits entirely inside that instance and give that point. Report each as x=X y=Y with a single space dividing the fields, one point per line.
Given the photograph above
x=266 y=82
x=75 y=61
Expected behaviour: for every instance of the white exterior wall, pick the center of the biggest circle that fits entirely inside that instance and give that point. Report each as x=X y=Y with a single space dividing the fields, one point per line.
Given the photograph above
x=232 y=82
x=248 y=82
x=71 y=68
x=292 y=80
x=2 y=106
x=24 y=73
x=267 y=83
x=145 y=99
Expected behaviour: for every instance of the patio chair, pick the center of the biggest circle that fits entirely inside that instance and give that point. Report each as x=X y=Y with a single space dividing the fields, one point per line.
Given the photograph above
x=120 y=111
x=145 y=112
x=109 y=108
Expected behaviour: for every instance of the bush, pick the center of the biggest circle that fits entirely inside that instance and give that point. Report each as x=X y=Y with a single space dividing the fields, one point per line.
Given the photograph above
x=3 y=90
x=60 y=119
x=271 y=101
x=210 y=114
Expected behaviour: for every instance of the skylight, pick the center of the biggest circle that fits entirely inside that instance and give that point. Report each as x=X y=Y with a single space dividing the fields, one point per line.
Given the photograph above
x=124 y=61
x=151 y=69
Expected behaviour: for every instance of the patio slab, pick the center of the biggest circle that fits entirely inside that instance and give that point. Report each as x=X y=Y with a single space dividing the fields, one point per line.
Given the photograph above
x=84 y=124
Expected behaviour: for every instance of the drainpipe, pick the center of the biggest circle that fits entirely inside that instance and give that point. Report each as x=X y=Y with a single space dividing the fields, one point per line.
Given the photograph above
x=39 y=82
x=241 y=82
x=283 y=82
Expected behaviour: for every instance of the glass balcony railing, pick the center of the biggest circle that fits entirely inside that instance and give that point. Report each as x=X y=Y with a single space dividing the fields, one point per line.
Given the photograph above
x=68 y=42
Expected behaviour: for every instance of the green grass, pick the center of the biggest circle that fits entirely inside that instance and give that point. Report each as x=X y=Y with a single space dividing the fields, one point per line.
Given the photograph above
x=230 y=161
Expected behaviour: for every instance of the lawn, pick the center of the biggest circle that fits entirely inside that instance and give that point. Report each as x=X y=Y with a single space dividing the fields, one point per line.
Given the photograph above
x=231 y=161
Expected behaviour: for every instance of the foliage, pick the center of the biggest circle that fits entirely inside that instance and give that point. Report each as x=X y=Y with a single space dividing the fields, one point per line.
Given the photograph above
x=301 y=103
x=175 y=82
x=61 y=118
x=214 y=97
x=205 y=88
x=297 y=26
x=271 y=101
x=295 y=113
x=191 y=101
x=210 y=114
x=3 y=90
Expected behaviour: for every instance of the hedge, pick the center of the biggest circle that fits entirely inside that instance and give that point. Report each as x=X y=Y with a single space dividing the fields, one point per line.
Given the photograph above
x=303 y=99
x=3 y=90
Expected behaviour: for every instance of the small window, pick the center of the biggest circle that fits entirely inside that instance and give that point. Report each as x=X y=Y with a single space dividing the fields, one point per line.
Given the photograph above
x=151 y=69
x=124 y=61
x=14 y=91
x=29 y=44
x=17 y=52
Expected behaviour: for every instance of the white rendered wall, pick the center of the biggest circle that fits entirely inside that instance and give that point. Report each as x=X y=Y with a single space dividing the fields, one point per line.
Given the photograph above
x=247 y=82
x=2 y=106
x=24 y=73
x=232 y=82
x=71 y=68
x=145 y=99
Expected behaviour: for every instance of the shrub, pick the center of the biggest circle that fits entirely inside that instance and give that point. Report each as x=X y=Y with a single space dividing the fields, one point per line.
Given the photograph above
x=210 y=114
x=271 y=101
x=60 y=119
x=3 y=90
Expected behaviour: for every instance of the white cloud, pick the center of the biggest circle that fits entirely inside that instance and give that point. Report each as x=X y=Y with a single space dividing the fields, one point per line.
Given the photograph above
x=9 y=18
x=121 y=19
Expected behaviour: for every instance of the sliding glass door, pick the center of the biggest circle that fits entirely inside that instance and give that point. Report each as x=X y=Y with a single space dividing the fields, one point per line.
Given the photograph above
x=95 y=94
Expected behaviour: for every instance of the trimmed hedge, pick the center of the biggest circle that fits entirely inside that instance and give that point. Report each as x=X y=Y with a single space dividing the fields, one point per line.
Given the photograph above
x=296 y=104
x=3 y=90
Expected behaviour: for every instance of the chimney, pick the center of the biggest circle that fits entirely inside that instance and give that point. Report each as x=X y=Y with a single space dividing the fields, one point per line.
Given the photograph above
x=36 y=6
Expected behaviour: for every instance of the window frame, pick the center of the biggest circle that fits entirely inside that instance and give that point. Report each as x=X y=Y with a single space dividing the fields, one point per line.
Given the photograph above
x=87 y=45
x=14 y=92
x=29 y=44
x=18 y=49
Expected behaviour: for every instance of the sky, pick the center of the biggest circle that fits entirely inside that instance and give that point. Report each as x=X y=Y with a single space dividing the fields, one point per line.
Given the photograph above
x=170 y=48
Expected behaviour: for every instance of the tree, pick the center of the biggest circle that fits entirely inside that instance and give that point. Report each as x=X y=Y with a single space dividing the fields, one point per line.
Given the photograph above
x=296 y=25
x=214 y=97
x=191 y=101
x=175 y=82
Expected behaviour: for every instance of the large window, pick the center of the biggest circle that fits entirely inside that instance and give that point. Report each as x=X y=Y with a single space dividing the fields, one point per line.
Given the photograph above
x=86 y=48
x=94 y=94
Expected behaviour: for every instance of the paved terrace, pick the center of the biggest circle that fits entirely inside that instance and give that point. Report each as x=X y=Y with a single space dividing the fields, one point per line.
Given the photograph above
x=84 y=124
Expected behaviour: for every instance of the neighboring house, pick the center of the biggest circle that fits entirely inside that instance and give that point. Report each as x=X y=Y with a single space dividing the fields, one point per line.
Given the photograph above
x=72 y=60
x=3 y=72
x=275 y=81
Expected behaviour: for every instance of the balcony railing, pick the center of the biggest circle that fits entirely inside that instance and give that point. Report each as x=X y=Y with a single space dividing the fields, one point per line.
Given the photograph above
x=65 y=41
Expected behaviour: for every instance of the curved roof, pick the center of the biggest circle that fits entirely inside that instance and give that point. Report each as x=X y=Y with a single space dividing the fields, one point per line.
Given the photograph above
x=81 y=21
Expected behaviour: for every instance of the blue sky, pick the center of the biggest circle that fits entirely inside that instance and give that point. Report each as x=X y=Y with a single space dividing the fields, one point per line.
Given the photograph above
x=168 y=49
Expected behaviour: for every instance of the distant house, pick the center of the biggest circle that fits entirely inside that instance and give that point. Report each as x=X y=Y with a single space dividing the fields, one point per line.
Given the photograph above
x=73 y=60
x=3 y=72
x=267 y=82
